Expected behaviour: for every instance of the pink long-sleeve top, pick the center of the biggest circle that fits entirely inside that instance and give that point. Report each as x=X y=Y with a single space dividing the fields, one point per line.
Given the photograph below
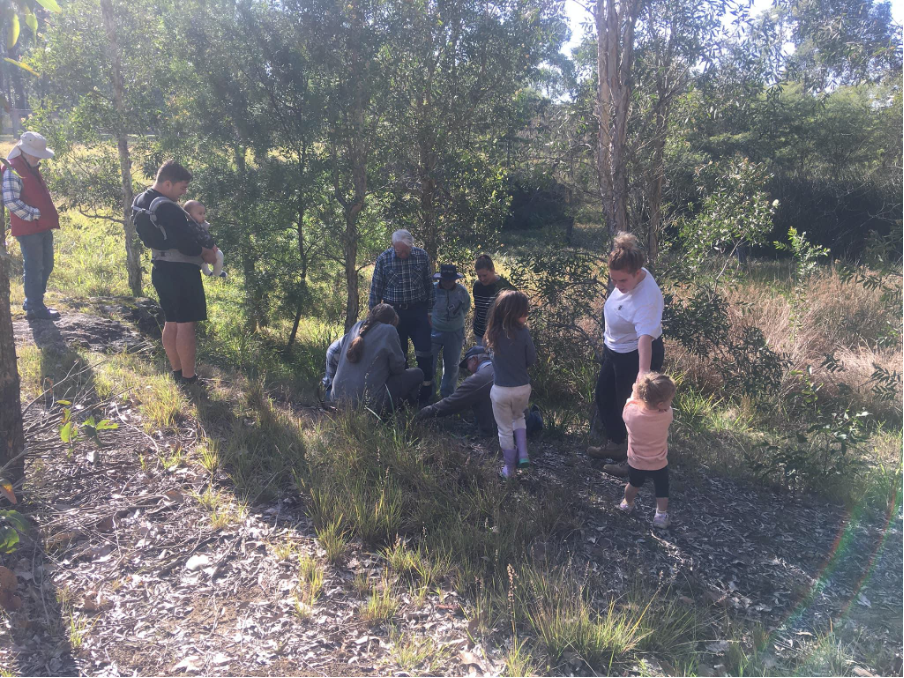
x=648 y=436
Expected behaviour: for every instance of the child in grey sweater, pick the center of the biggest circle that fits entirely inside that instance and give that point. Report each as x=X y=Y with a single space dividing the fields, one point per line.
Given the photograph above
x=513 y=352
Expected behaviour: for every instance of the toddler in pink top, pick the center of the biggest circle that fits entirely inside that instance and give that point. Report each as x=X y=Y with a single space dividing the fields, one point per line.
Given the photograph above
x=647 y=416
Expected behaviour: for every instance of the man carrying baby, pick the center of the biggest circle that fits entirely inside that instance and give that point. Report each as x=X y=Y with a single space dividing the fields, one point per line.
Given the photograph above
x=177 y=271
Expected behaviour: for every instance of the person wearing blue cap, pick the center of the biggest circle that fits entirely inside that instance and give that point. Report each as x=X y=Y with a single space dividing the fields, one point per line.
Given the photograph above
x=448 y=333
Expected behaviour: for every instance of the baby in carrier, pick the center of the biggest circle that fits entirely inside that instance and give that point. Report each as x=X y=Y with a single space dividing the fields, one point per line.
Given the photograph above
x=201 y=232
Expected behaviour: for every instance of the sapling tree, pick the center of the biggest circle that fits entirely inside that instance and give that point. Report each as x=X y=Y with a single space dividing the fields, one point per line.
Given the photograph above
x=86 y=98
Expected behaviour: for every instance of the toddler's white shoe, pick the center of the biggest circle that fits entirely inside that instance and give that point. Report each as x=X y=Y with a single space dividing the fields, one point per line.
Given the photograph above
x=625 y=507
x=661 y=520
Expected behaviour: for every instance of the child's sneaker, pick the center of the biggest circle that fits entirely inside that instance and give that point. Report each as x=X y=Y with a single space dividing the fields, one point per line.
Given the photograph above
x=661 y=520
x=625 y=507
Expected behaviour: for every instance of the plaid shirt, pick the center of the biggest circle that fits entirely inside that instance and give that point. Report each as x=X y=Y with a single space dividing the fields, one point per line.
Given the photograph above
x=12 y=189
x=402 y=281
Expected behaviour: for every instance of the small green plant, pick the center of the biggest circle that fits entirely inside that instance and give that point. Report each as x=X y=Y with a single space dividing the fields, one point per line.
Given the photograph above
x=399 y=557
x=310 y=585
x=382 y=604
x=173 y=459
x=518 y=660
x=361 y=583
x=12 y=525
x=285 y=549
x=334 y=540
x=418 y=653
x=78 y=629
x=568 y=624
x=806 y=255
x=70 y=429
x=209 y=456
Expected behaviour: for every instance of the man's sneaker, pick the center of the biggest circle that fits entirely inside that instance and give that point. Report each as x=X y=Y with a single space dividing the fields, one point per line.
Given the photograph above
x=613 y=451
x=617 y=470
x=661 y=520
x=188 y=382
x=625 y=507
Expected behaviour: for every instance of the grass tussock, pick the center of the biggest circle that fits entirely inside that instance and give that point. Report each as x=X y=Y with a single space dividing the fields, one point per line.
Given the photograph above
x=385 y=484
x=382 y=605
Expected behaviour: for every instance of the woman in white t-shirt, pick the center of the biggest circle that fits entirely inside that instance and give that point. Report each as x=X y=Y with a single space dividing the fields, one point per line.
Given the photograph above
x=632 y=341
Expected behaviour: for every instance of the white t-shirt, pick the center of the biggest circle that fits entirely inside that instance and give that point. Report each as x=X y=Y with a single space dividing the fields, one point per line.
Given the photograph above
x=633 y=314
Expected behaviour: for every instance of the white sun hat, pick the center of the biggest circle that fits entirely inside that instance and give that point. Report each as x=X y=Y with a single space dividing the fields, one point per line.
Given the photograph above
x=33 y=144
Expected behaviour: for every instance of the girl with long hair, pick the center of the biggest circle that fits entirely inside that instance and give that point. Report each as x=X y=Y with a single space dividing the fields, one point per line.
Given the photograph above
x=371 y=368
x=512 y=350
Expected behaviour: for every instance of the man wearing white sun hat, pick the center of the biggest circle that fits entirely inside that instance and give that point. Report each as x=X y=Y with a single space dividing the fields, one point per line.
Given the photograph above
x=32 y=218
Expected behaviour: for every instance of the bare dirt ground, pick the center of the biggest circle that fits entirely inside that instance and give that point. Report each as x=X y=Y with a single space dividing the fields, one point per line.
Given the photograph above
x=126 y=572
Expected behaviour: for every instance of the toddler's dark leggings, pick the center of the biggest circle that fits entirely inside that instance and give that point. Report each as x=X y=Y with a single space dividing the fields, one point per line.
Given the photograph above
x=660 y=478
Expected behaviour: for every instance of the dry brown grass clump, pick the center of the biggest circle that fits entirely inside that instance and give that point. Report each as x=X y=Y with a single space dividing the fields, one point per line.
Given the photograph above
x=821 y=316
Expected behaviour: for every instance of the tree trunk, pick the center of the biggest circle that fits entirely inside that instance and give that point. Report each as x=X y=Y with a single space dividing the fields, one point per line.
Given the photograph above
x=356 y=148
x=350 y=251
x=303 y=254
x=133 y=254
x=615 y=22
x=428 y=217
x=656 y=183
x=12 y=438
x=298 y=310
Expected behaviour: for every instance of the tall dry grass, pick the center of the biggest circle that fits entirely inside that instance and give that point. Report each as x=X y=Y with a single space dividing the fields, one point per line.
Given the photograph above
x=827 y=316
x=820 y=316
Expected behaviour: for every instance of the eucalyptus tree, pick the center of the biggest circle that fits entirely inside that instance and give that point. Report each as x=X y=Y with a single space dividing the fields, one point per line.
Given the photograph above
x=95 y=55
x=675 y=40
x=349 y=42
x=12 y=437
x=839 y=42
x=615 y=22
x=458 y=70
x=254 y=102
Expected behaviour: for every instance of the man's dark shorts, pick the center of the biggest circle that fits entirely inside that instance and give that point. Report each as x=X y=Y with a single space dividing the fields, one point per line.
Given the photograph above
x=181 y=291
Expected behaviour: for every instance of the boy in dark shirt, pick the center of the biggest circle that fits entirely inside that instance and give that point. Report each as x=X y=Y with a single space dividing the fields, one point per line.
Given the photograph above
x=487 y=287
x=177 y=271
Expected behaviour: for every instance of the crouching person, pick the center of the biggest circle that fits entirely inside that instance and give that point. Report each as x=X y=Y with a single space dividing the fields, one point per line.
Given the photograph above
x=371 y=369
x=473 y=393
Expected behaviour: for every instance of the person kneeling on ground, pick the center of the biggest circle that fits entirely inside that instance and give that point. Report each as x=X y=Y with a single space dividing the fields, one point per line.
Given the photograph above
x=474 y=393
x=332 y=364
x=371 y=368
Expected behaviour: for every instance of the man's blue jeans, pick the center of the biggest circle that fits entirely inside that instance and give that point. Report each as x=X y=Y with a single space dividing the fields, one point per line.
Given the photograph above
x=450 y=344
x=37 y=263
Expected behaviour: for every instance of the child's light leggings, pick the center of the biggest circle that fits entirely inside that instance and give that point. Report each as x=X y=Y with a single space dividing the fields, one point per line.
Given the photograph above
x=509 y=403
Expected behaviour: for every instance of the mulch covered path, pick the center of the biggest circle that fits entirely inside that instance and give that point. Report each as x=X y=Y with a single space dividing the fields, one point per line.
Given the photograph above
x=128 y=574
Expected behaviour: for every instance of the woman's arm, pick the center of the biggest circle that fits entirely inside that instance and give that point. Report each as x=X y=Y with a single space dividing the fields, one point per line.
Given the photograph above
x=395 y=355
x=644 y=354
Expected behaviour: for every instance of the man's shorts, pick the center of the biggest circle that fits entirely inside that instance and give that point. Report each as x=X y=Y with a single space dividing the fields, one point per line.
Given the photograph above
x=180 y=290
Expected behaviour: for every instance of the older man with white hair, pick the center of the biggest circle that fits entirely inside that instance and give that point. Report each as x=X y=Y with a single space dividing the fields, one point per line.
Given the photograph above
x=32 y=219
x=403 y=278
